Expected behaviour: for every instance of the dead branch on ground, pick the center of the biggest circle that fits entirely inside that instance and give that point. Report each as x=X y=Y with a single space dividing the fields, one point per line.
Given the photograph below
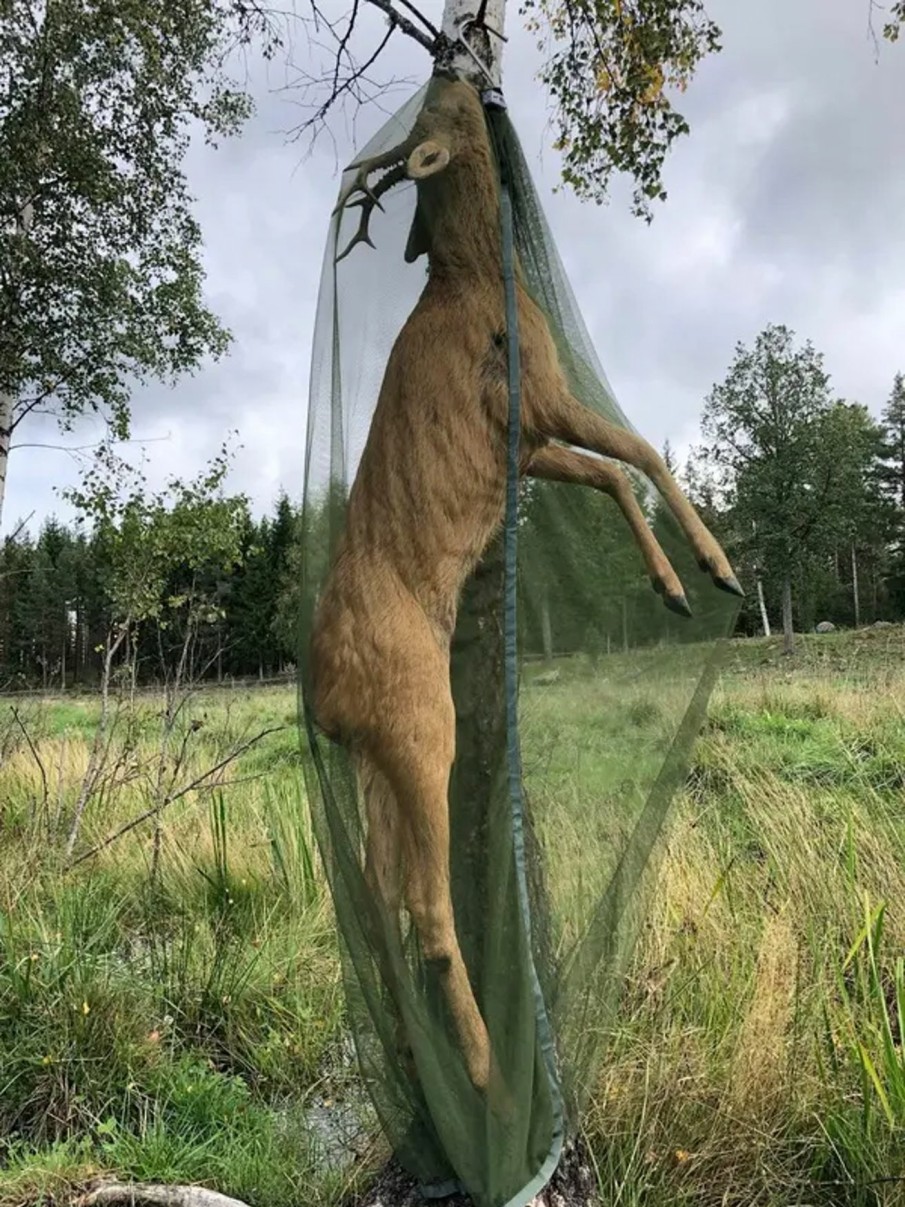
x=137 y=1194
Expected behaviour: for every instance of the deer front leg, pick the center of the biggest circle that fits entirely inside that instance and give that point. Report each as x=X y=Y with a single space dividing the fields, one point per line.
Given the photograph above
x=569 y=421
x=558 y=464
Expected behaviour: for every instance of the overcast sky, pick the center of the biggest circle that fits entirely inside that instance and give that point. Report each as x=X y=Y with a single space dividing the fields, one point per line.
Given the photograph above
x=786 y=204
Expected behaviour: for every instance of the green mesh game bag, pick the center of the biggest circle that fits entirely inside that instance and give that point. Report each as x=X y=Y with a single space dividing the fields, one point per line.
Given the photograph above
x=577 y=694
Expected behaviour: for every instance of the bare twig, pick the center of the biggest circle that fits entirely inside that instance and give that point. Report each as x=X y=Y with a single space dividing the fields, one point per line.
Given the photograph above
x=347 y=77
x=34 y=754
x=343 y=48
x=200 y=782
x=17 y=531
x=101 y=742
x=81 y=448
x=53 y=827
x=872 y=6
x=176 y=700
x=349 y=85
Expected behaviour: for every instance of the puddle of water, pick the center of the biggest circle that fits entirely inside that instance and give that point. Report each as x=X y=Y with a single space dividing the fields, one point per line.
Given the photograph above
x=341 y=1120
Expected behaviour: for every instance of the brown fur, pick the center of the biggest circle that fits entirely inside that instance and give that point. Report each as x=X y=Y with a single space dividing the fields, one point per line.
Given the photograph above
x=427 y=498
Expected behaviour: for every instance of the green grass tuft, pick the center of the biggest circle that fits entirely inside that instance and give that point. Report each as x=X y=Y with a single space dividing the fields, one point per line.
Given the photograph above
x=188 y=1025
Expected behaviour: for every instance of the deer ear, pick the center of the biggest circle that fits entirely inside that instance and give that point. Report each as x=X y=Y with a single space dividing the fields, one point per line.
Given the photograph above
x=427 y=159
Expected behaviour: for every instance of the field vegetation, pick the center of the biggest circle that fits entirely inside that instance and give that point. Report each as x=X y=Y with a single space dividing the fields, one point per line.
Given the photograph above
x=170 y=1005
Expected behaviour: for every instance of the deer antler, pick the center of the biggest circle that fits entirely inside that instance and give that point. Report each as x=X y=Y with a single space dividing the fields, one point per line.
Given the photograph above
x=395 y=159
x=370 y=198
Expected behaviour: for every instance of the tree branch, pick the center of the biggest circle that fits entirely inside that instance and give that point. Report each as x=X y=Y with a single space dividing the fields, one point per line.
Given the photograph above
x=346 y=76
x=404 y=25
x=34 y=752
x=82 y=448
x=172 y=797
x=872 y=6
x=20 y=528
x=429 y=25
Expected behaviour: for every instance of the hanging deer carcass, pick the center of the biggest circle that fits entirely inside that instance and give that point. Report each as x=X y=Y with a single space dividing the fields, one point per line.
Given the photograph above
x=427 y=498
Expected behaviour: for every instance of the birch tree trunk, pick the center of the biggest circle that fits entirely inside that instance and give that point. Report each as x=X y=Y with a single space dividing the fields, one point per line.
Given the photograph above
x=477 y=665
x=764 y=618
x=788 y=633
x=856 y=594
x=478 y=42
x=624 y=625
x=7 y=407
x=547 y=628
x=24 y=221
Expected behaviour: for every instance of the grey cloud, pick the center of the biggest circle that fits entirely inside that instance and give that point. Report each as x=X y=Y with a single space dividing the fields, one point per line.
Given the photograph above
x=783 y=206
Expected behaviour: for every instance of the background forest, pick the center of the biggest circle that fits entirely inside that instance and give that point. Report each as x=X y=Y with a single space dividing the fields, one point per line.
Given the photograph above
x=806 y=491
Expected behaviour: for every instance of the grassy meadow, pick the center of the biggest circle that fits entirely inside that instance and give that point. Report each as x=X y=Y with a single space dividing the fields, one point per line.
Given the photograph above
x=170 y=1006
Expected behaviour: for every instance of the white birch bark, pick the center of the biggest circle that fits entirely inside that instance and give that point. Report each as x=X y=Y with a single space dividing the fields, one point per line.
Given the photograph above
x=7 y=406
x=788 y=631
x=487 y=46
x=24 y=220
x=764 y=618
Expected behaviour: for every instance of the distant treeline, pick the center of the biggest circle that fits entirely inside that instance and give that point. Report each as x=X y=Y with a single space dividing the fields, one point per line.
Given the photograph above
x=806 y=493
x=56 y=613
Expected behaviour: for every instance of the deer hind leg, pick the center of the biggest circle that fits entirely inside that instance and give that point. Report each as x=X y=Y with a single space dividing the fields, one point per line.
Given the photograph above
x=383 y=848
x=430 y=905
x=383 y=875
x=567 y=420
x=558 y=464
x=416 y=756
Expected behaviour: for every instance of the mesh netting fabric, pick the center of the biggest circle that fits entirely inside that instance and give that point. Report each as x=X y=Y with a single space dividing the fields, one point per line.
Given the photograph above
x=612 y=689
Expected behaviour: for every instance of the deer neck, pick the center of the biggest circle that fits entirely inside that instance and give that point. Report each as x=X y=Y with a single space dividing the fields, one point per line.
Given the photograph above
x=462 y=216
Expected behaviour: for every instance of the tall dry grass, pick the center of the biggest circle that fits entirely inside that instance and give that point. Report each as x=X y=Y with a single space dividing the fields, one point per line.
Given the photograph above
x=183 y=1025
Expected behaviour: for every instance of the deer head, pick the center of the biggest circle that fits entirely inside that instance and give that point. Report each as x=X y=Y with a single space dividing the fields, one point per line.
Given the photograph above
x=449 y=137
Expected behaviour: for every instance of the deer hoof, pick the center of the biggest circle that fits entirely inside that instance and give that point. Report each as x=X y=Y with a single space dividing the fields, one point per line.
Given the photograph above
x=726 y=582
x=678 y=604
x=674 y=599
x=730 y=584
